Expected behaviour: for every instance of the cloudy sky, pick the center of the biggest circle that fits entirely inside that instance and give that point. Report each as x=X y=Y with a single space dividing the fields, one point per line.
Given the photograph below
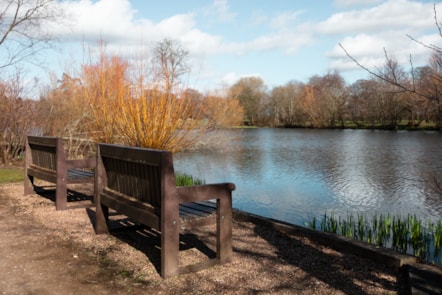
x=278 y=40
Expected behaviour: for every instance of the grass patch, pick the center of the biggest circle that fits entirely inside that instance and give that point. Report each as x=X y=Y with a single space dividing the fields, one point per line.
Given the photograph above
x=11 y=175
x=15 y=174
x=183 y=179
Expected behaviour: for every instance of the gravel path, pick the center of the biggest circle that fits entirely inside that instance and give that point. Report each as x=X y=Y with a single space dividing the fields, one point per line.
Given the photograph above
x=44 y=251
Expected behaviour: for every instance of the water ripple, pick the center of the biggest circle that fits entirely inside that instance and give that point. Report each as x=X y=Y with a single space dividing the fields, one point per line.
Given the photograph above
x=294 y=175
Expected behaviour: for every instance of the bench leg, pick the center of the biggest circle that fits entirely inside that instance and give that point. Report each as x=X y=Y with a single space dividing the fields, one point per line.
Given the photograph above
x=170 y=246
x=101 y=219
x=224 y=230
x=61 y=191
x=29 y=185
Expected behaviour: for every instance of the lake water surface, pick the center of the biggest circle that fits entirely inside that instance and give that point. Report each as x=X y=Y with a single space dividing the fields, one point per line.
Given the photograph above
x=295 y=174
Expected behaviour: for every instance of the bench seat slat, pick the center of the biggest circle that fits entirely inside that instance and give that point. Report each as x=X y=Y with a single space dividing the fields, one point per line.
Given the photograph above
x=77 y=173
x=191 y=210
x=191 y=216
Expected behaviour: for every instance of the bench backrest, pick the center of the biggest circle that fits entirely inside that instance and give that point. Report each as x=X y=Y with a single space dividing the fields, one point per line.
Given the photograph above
x=144 y=174
x=43 y=151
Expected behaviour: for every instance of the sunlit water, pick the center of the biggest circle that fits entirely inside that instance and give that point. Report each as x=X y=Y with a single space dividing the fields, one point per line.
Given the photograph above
x=295 y=174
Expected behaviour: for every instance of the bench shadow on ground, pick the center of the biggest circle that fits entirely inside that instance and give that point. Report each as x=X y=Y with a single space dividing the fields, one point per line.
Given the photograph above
x=75 y=197
x=148 y=240
x=334 y=270
x=140 y=237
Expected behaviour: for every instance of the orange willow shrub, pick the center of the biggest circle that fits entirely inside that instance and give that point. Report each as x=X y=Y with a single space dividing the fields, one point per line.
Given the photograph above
x=129 y=107
x=105 y=83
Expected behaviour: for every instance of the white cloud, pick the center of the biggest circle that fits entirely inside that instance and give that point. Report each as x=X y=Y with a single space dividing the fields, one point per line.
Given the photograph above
x=230 y=78
x=283 y=20
x=364 y=30
x=368 y=32
x=110 y=19
x=393 y=14
x=221 y=9
x=347 y=3
x=370 y=50
x=233 y=77
x=174 y=26
x=258 y=18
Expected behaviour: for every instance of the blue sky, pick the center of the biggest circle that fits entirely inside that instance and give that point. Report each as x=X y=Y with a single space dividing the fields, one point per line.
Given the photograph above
x=278 y=40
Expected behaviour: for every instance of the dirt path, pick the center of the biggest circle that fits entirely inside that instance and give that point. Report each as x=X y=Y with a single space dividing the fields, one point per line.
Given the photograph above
x=34 y=260
x=44 y=251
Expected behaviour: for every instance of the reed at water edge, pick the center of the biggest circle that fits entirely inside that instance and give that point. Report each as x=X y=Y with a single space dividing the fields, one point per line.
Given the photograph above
x=405 y=234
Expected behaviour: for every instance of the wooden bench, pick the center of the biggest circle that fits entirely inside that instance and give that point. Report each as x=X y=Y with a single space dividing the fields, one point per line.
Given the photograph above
x=45 y=159
x=140 y=184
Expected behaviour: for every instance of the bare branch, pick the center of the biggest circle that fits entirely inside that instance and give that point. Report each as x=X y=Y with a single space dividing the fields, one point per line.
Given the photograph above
x=413 y=78
x=439 y=28
x=384 y=78
x=21 y=33
x=429 y=46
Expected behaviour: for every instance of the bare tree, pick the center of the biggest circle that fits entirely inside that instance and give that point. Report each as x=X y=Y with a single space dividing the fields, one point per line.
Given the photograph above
x=16 y=119
x=170 y=59
x=434 y=74
x=22 y=32
x=285 y=102
x=251 y=93
x=365 y=104
x=328 y=97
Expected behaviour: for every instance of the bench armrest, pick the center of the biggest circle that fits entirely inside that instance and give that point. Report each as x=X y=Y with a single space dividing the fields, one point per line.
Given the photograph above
x=187 y=194
x=81 y=163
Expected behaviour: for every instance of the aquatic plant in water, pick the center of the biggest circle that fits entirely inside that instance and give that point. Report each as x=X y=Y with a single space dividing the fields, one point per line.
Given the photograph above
x=403 y=234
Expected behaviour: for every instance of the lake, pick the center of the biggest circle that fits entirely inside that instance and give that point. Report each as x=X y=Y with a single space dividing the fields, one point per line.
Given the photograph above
x=295 y=174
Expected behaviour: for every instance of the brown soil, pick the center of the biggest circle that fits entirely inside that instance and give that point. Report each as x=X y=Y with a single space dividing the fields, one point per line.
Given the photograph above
x=44 y=251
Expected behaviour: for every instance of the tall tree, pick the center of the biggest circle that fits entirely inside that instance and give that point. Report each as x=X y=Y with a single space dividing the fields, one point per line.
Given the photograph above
x=429 y=84
x=16 y=118
x=365 y=105
x=285 y=102
x=251 y=93
x=333 y=94
x=171 y=63
x=394 y=98
x=63 y=111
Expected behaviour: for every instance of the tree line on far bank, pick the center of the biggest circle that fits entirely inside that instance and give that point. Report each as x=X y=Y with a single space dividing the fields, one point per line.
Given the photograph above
x=113 y=100
x=328 y=102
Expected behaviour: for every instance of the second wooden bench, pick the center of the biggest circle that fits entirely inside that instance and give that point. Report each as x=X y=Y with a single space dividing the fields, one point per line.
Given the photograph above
x=140 y=183
x=46 y=159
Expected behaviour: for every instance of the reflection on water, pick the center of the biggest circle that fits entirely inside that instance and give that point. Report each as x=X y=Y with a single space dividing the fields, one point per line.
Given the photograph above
x=293 y=175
